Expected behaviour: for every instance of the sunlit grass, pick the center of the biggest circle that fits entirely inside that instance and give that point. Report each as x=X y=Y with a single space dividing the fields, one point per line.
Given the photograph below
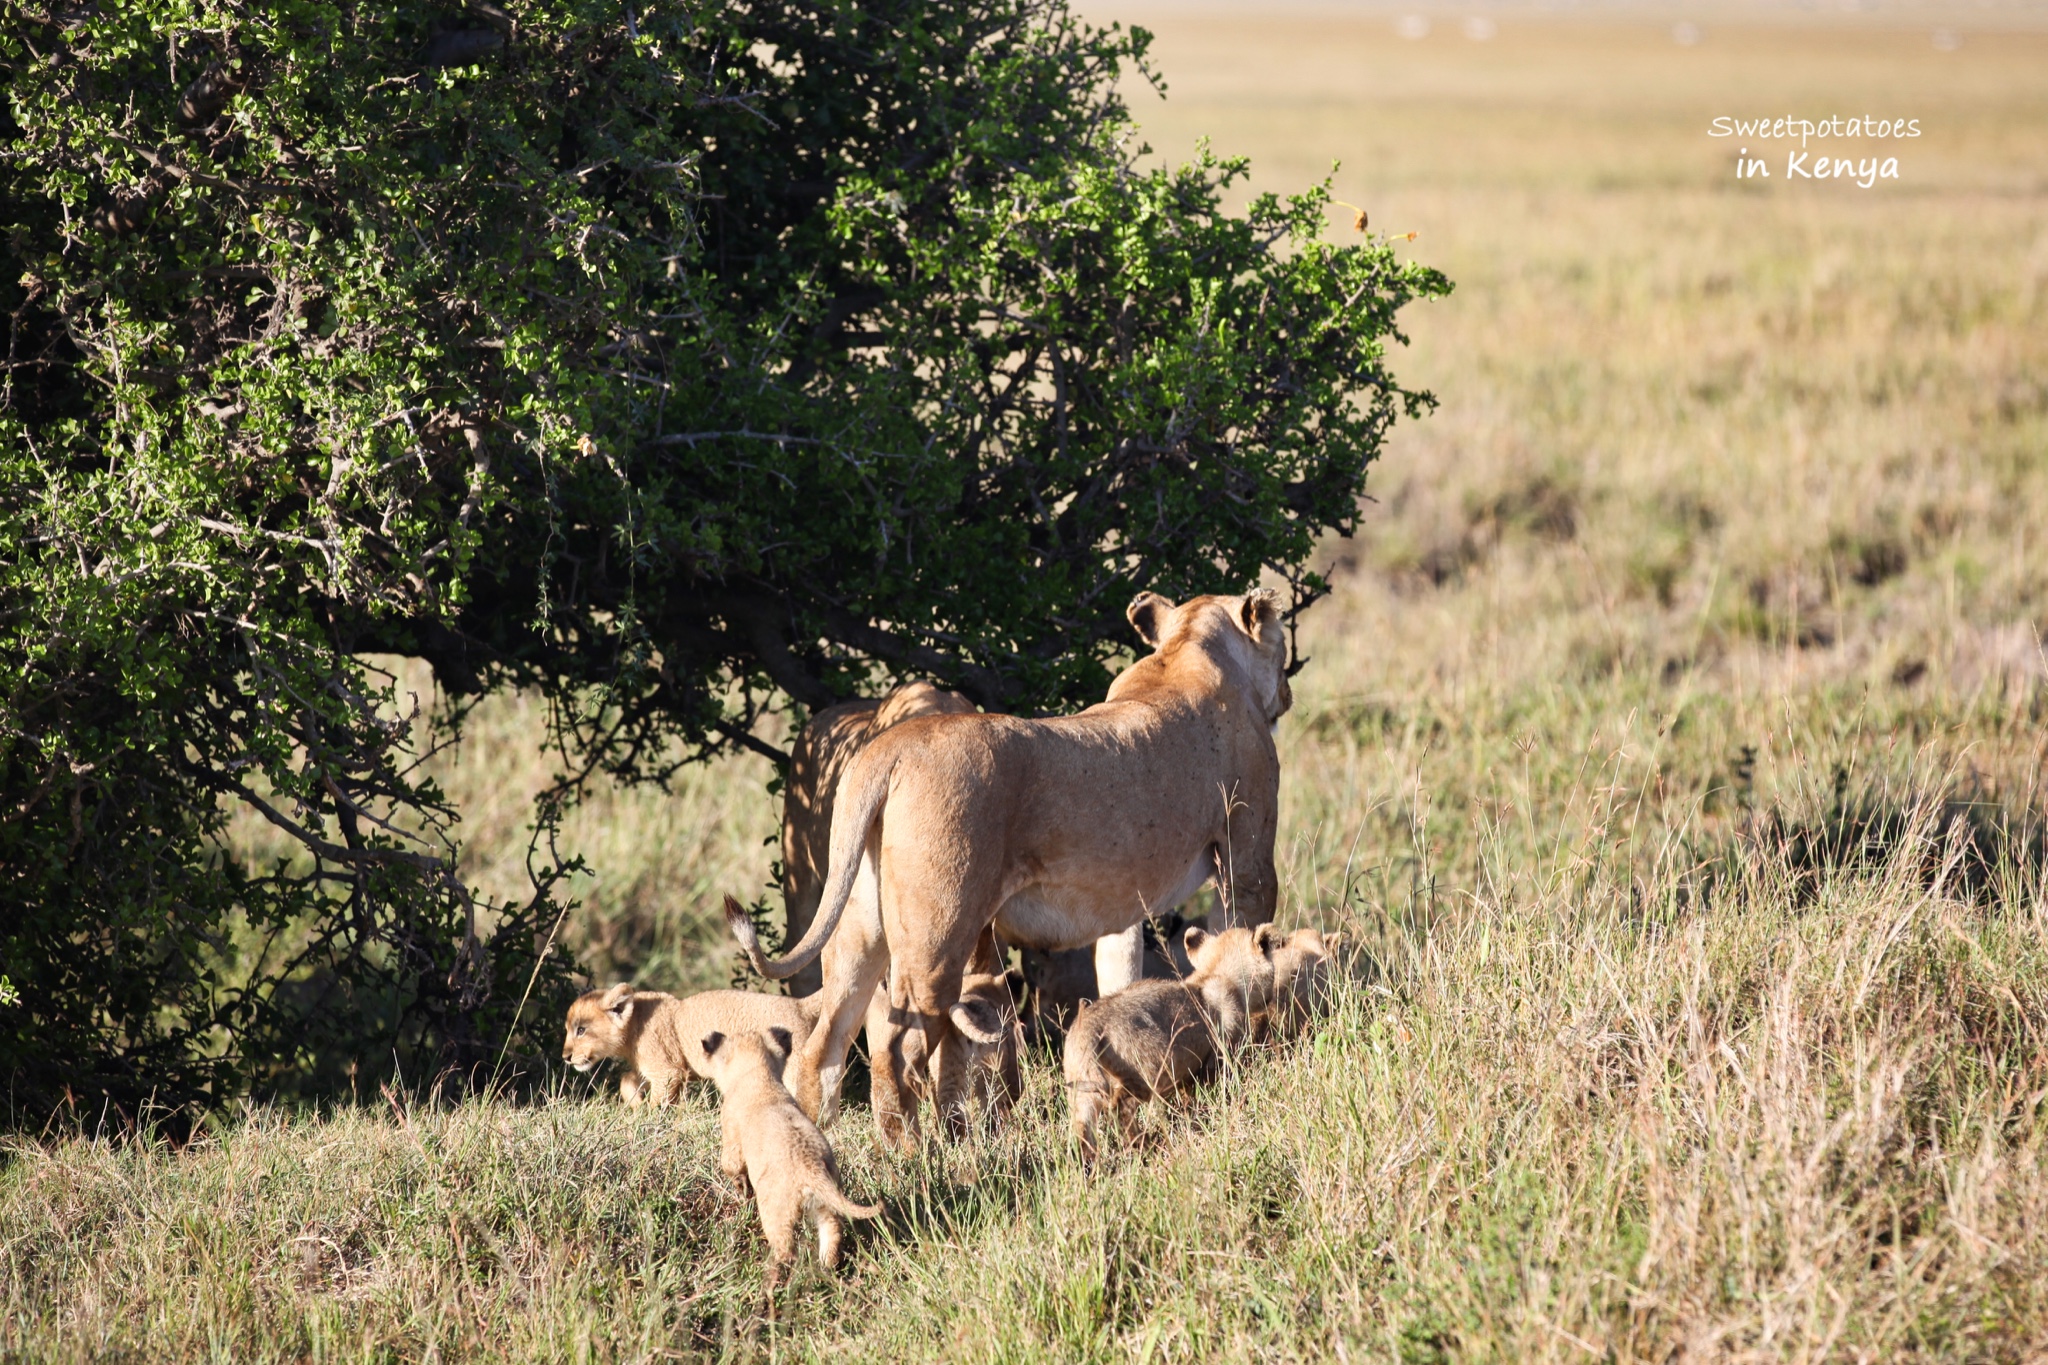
x=1671 y=743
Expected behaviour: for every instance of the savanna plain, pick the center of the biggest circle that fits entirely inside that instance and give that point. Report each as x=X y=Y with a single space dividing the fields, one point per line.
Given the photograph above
x=1671 y=747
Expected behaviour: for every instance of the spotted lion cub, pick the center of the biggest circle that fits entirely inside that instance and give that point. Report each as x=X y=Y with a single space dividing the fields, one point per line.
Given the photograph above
x=1156 y=1037
x=768 y=1144
x=656 y=1036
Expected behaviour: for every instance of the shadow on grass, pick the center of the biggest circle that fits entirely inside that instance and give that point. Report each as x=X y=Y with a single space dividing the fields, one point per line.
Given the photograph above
x=1971 y=844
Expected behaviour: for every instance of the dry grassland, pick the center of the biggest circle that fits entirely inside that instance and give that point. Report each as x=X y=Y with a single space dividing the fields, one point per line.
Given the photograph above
x=1673 y=739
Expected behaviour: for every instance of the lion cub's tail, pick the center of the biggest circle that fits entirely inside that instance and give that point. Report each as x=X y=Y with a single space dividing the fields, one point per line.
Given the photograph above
x=830 y=1196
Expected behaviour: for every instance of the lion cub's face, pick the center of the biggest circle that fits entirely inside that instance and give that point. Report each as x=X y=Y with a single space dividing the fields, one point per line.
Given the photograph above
x=596 y=1028
x=1305 y=953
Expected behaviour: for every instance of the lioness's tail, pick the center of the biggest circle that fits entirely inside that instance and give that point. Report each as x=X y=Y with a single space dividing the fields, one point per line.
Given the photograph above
x=855 y=807
x=831 y=1197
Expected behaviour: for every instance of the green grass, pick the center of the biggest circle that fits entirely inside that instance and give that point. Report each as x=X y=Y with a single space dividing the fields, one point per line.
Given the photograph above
x=1671 y=745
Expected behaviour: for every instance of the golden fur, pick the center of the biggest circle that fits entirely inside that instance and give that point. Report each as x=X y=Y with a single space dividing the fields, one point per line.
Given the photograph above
x=656 y=1037
x=1058 y=832
x=773 y=1150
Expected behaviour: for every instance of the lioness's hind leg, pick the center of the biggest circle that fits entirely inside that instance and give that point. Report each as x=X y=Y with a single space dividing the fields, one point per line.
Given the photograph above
x=896 y=1060
x=850 y=981
x=824 y=1052
x=855 y=960
x=947 y=1062
x=929 y=989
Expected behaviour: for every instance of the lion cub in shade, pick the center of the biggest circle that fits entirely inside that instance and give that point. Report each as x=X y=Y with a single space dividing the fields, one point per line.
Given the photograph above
x=768 y=1144
x=1156 y=1037
x=985 y=1017
x=656 y=1037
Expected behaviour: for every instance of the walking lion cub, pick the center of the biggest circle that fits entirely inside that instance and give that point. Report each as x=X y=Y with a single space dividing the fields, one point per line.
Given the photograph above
x=1156 y=1037
x=656 y=1037
x=770 y=1146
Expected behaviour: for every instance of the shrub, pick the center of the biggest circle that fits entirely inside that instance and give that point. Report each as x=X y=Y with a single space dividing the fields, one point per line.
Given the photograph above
x=681 y=361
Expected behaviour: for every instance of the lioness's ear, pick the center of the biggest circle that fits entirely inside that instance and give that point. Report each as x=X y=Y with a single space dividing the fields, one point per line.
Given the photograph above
x=1148 y=612
x=1261 y=608
x=712 y=1042
x=1262 y=939
x=780 y=1037
x=1194 y=938
x=618 y=1001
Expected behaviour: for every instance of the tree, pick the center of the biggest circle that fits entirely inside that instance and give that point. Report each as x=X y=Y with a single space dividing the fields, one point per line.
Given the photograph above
x=683 y=361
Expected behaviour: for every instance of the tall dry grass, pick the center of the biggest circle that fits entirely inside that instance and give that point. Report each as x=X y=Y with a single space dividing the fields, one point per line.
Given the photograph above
x=1798 y=1120
x=1671 y=743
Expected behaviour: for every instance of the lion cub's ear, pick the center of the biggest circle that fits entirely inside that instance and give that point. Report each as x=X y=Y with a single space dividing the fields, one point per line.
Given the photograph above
x=1148 y=612
x=1262 y=938
x=712 y=1042
x=618 y=1001
x=978 y=1020
x=1261 y=608
x=1194 y=938
x=780 y=1039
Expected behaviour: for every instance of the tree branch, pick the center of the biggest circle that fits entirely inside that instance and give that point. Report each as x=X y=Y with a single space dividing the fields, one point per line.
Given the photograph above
x=321 y=848
x=746 y=739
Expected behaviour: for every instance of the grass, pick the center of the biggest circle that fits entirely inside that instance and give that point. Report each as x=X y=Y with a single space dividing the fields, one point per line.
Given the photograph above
x=1671 y=743
x=1798 y=1122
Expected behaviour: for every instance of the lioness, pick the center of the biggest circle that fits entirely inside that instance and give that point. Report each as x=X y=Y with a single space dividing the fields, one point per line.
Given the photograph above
x=769 y=1147
x=1058 y=832
x=1155 y=1037
x=656 y=1036
x=820 y=756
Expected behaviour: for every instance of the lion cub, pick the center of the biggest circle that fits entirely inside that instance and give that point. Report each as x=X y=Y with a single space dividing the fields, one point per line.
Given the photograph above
x=986 y=1018
x=1301 y=981
x=1155 y=1037
x=768 y=1145
x=656 y=1036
